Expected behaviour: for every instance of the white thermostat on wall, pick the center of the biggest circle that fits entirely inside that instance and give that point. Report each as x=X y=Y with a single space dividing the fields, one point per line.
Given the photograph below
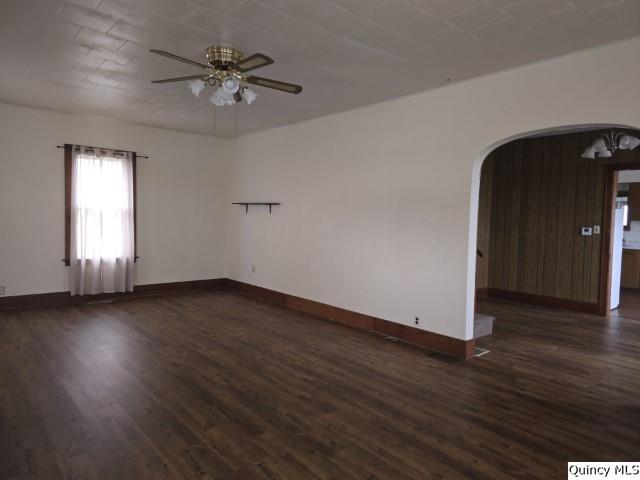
x=586 y=231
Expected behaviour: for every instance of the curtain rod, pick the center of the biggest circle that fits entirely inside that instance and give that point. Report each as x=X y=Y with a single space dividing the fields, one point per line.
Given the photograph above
x=104 y=148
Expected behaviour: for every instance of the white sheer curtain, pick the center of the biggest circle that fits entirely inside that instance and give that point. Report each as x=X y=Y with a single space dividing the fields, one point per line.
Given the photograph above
x=102 y=229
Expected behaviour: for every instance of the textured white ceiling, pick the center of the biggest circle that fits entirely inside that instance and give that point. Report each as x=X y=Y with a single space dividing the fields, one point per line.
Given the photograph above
x=91 y=56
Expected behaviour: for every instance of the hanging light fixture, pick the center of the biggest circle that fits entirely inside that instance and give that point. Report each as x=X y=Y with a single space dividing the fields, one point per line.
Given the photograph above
x=607 y=144
x=231 y=84
x=249 y=95
x=196 y=86
x=221 y=97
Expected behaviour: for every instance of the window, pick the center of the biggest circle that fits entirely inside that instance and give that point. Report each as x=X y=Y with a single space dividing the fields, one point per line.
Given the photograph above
x=100 y=219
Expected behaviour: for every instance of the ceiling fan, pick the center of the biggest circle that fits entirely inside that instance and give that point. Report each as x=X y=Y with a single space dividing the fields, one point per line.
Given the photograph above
x=226 y=71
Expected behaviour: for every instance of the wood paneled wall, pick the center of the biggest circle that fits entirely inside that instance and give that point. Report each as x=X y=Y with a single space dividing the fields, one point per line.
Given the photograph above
x=541 y=193
x=484 y=232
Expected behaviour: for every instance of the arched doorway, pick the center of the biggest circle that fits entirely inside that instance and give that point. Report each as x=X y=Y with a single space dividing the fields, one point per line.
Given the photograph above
x=538 y=252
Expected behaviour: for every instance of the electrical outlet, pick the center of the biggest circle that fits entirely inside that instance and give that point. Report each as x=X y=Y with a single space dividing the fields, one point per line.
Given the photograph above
x=253 y=269
x=2 y=289
x=417 y=320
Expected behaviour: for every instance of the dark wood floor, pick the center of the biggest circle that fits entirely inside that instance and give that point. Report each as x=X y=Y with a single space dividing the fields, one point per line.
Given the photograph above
x=220 y=386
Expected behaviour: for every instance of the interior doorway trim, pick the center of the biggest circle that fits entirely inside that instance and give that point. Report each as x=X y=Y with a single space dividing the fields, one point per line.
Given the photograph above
x=611 y=190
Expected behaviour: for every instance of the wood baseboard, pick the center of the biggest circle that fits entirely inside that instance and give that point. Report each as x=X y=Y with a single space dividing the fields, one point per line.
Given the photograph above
x=58 y=299
x=482 y=293
x=433 y=341
x=575 y=305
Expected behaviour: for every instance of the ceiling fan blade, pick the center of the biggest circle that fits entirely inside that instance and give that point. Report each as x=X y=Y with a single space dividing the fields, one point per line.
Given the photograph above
x=180 y=79
x=275 y=84
x=179 y=58
x=257 y=60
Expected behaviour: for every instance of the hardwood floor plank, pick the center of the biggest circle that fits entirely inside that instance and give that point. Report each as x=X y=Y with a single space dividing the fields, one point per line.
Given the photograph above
x=218 y=385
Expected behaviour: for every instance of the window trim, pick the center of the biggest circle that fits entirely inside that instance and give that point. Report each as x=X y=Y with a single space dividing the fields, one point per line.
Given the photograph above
x=68 y=175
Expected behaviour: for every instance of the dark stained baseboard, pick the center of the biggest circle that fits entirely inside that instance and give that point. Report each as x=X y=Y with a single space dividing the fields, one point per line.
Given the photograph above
x=433 y=341
x=575 y=305
x=482 y=293
x=57 y=299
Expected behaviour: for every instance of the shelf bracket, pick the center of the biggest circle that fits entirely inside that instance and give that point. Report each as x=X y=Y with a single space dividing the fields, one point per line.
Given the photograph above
x=246 y=205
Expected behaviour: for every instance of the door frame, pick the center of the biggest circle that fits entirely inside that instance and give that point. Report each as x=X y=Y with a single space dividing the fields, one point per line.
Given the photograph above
x=611 y=191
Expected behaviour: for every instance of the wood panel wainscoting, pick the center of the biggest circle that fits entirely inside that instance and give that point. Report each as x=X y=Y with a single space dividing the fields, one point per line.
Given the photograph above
x=433 y=341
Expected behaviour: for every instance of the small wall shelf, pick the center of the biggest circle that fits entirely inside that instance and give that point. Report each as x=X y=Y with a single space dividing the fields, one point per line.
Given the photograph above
x=246 y=205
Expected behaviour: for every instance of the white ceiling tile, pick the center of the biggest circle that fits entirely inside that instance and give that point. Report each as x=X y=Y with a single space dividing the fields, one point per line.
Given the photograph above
x=87 y=61
x=134 y=34
x=93 y=38
x=477 y=17
x=122 y=10
x=95 y=67
x=110 y=66
x=342 y=22
x=211 y=21
x=101 y=79
x=307 y=10
x=84 y=17
x=623 y=16
x=591 y=5
x=425 y=27
x=250 y=39
x=447 y=8
x=63 y=30
x=533 y=10
x=85 y=3
x=106 y=54
x=221 y=6
x=359 y=7
x=393 y=14
x=176 y=30
x=174 y=9
x=387 y=41
x=293 y=29
x=256 y=14
x=500 y=30
x=569 y=28
x=502 y=3
x=132 y=49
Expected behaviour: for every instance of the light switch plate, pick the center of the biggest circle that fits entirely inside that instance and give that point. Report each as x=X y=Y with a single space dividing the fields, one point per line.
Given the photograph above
x=596 y=229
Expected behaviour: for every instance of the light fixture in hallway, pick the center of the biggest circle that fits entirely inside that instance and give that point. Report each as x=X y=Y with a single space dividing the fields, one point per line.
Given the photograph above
x=606 y=145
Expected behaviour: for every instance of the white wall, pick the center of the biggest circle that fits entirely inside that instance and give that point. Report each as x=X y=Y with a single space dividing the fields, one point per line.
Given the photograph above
x=181 y=193
x=379 y=204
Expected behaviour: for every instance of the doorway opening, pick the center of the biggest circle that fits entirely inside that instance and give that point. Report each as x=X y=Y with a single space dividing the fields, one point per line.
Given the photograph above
x=546 y=220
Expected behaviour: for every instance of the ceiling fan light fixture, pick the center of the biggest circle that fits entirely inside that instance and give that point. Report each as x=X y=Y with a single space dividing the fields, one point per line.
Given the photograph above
x=231 y=84
x=196 y=86
x=221 y=97
x=605 y=154
x=249 y=95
